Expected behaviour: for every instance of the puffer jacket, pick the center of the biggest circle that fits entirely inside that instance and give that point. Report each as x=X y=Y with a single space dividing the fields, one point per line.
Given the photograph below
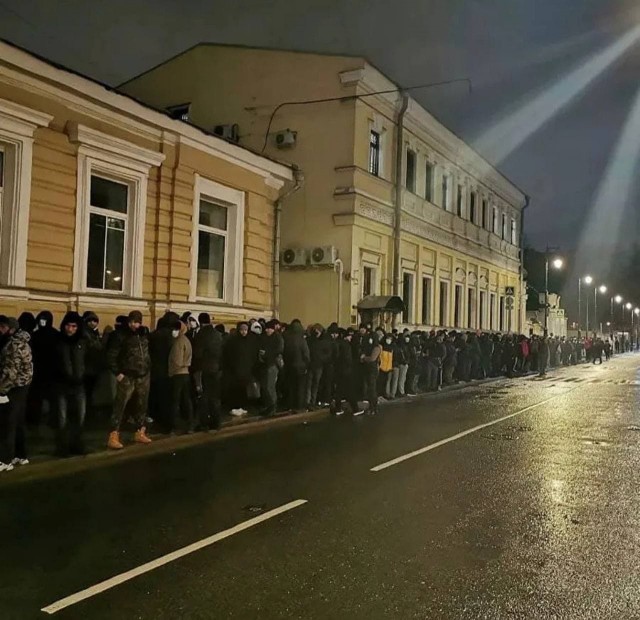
x=207 y=350
x=72 y=356
x=16 y=362
x=296 y=349
x=180 y=355
x=128 y=353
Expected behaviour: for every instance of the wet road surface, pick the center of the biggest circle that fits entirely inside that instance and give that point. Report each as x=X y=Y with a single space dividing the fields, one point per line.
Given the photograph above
x=535 y=515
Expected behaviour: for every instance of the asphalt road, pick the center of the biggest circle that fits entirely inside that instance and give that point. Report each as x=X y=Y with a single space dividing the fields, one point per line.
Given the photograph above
x=533 y=516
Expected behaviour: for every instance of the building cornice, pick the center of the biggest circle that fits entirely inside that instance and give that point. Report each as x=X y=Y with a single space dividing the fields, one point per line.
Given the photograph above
x=26 y=71
x=432 y=132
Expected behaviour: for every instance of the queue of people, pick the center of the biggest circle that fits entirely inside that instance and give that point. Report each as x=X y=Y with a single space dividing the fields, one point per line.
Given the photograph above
x=183 y=375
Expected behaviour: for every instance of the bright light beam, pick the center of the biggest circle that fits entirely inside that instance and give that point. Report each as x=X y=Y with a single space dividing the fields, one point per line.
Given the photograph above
x=606 y=217
x=507 y=135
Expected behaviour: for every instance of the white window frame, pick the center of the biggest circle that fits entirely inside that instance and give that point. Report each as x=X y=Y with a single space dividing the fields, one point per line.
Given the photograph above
x=121 y=161
x=414 y=169
x=446 y=183
x=234 y=201
x=514 y=232
x=429 y=317
x=18 y=125
x=409 y=308
x=374 y=279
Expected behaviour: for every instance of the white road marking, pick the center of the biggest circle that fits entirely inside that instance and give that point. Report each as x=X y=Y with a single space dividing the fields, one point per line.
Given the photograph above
x=165 y=559
x=475 y=429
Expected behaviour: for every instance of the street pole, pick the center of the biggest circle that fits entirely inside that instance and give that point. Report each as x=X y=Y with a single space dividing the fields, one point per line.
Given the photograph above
x=579 y=304
x=595 y=308
x=612 y=315
x=587 y=327
x=546 y=292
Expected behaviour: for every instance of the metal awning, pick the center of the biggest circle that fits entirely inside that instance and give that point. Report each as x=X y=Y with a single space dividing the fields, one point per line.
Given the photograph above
x=381 y=303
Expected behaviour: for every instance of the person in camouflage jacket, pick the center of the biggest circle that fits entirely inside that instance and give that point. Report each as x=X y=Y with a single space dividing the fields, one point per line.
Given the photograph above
x=16 y=374
x=128 y=359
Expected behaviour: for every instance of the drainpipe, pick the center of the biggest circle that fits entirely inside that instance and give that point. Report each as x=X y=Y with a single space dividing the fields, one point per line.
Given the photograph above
x=338 y=267
x=397 y=224
x=522 y=320
x=299 y=181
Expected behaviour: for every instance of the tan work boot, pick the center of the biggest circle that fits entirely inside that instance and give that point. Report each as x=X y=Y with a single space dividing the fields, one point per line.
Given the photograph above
x=141 y=436
x=114 y=441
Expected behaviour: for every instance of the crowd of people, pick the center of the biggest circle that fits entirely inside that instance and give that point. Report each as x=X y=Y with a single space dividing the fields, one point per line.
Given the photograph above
x=183 y=375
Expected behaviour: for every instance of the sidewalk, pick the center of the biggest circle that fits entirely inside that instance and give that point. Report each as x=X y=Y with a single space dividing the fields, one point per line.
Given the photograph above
x=45 y=465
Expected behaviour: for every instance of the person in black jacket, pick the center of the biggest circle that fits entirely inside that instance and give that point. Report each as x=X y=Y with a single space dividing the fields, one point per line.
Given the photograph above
x=296 y=363
x=41 y=395
x=69 y=385
x=95 y=356
x=270 y=350
x=207 y=373
x=240 y=357
x=450 y=359
x=346 y=376
x=320 y=354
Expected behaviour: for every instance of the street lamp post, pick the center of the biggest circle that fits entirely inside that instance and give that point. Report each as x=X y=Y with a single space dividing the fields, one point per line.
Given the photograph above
x=587 y=280
x=618 y=300
x=603 y=289
x=579 y=304
x=557 y=263
x=628 y=306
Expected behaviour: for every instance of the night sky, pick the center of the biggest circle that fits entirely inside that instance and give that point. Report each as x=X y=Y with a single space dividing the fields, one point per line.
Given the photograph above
x=511 y=49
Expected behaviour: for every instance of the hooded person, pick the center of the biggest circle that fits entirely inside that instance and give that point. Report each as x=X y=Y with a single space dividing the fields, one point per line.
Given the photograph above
x=178 y=371
x=160 y=343
x=327 y=391
x=44 y=341
x=207 y=372
x=193 y=325
x=128 y=360
x=256 y=328
x=320 y=354
x=270 y=350
x=71 y=399
x=296 y=363
x=96 y=362
x=346 y=376
x=370 y=350
x=27 y=322
x=16 y=374
x=240 y=355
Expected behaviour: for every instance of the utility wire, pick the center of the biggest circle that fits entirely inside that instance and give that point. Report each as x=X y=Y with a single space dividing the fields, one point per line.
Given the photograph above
x=354 y=97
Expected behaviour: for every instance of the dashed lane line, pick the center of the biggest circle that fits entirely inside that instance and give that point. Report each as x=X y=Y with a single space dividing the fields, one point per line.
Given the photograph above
x=475 y=429
x=165 y=559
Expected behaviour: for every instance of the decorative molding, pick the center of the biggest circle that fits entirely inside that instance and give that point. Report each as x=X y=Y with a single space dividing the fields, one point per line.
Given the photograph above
x=348 y=78
x=22 y=120
x=95 y=100
x=101 y=142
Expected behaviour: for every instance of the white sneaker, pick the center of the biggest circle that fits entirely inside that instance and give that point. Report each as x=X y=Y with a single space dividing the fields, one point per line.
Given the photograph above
x=339 y=412
x=6 y=467
x=243 y=411
x=236 y=412
x=359 y=412
x=17 y=461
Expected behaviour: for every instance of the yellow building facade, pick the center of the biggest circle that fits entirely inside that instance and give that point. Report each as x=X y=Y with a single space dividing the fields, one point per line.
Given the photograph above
x=109 y=205
x=337 y=118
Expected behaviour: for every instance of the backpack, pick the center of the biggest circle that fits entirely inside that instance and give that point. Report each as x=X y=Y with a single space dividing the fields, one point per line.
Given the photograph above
x=386 y=361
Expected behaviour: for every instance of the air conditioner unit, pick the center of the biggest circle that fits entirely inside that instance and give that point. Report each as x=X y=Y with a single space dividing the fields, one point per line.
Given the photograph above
x=286 y=139
x=324 y=255
x=294 y=257
x=227 y=132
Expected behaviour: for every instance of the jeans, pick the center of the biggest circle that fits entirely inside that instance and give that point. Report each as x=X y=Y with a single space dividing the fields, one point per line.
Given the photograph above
x=448 y=373
x=268 y=391
x=181 y=401
x=131 y=387
x=433 y=375
x=72 y=410
x=392 y=383
x=314 y=376
x=402 y=378
x=13 y=426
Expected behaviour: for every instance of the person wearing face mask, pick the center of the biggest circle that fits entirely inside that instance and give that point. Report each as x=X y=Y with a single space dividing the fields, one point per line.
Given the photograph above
x=370 y=350
x=320 y=355
x=207 y=372
x=178 y=371
x=240 y=360
x=44 y=342
x=70 y=391
x=400 y=366
x=386 y=366
x=346 y=377
x=95 y=357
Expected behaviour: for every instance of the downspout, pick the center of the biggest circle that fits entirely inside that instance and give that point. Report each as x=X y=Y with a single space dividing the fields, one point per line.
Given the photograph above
x=522 y=319
x=298 y=182
x=397 y=223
